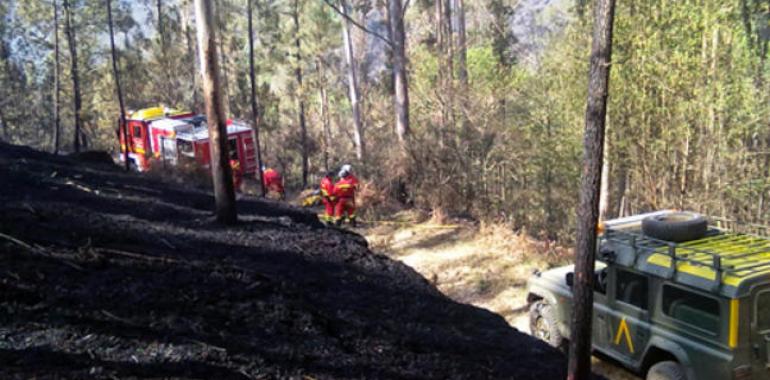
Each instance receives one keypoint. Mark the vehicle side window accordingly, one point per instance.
(631, 289)
(763, 311)
(137, 131)
(691, 308)
(185, 148)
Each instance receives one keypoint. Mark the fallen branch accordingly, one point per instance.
(116, 318)
(40, 251)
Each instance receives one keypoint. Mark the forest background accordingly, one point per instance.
(496, 96)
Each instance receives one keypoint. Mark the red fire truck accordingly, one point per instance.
(166, 136)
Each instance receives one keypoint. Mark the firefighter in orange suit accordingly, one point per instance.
(235, 165)
(327, 196)
(273, 181)
(345, 191)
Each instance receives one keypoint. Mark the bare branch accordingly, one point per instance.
(357, 25)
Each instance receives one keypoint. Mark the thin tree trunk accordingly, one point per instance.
(116, 76)
(462, 58)
(588, 210)
(71, 39)
(254, 106)
(161, 33)
(324, 98)
(191, 54)
(604, 194)
(221, 172)
(300, 95)
(358, 132)
(56, 80)
(401, 98)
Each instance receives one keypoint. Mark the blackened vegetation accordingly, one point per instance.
(106, 274)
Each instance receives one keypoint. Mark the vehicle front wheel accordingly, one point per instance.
(667, 370)
(543, 324)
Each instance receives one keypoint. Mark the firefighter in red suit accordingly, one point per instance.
(273, 182)
(235, 165)
(345, 191)
(327, 196)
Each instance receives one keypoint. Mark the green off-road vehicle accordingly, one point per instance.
(674, 298)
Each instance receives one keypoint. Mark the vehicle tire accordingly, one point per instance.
(543, 324)
(667, 370)
(675, 227)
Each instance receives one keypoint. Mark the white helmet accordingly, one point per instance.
(344, 170)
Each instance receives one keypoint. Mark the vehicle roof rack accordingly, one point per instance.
(721, 254)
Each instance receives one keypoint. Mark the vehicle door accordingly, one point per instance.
(249, 149)
(628, 315)
(760, 333)
(168, 150)
(138, 134)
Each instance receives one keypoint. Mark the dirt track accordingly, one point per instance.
(105, 274)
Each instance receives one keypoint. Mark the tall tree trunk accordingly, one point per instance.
(191, 54)
(254, 106)
(604, 194)
(462, 57)
(358, 132)
(324, 99)
(71, 41)
(300, 95)
(401, 98)
(116, 76)
(588, 210)
(221, 172)
(400, 95)
(161, 33)
(56, 80)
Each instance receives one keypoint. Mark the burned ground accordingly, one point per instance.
(106, 274)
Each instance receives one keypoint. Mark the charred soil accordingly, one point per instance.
(106, 274)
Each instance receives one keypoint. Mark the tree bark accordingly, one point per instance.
(254, 106)
(401, 98)
(77, 101)
(358, 132)
(56, 80)
(116, 75)
(588, 209)
(221, 173)
(300, 95)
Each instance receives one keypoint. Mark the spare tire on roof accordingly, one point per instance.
(676, 226)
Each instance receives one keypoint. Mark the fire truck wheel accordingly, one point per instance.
(675, 227)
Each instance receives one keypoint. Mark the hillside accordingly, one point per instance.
(106, 274)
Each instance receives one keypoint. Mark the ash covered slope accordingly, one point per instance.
(114, 275)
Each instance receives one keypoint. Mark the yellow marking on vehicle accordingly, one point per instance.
(623, 330)
(732, 340)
